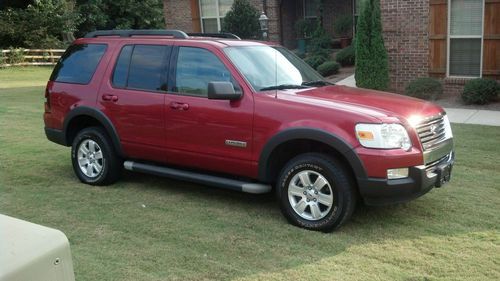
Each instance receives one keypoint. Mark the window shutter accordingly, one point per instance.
(438, 29)
(195, 16)
(491, 48)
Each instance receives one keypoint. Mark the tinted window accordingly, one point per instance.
(196, 68)
(146, 67)
(121, 68)
(141, 67)
(78, 63)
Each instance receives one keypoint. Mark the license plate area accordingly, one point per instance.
(443, 174)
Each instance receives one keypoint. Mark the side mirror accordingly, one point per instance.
(222, 91)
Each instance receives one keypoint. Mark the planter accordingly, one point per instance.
(345, 42)
(302, 45)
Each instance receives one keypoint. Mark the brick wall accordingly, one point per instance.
(178, 15)
(405, 27)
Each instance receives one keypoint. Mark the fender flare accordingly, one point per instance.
(100, 117)
(335, 142)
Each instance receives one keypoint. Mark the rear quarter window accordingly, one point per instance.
(78, 63)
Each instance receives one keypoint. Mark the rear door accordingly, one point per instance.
(134, 97)
(203, 133)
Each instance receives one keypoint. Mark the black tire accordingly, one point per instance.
(110, 164)
(339, 187)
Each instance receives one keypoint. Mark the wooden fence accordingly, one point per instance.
(22, 57)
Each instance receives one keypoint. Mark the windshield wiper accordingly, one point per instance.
(317, 83)
(284, 87)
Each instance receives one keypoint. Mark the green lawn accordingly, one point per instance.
(150, 228)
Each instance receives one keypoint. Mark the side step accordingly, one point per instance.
(248, 187)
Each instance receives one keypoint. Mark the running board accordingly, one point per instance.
(248, 187)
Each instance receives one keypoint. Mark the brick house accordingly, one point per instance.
(452, 40)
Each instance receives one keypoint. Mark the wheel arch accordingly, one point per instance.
(317, 139)
(82, 117)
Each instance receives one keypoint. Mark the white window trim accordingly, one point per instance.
(449, 37)
(216, 17)
(304, 10)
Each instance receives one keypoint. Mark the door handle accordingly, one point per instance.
(107, 97)
(179, 105)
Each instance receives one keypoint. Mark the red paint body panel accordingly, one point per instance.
(150, 129)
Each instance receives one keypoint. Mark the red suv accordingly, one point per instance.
(242, 115)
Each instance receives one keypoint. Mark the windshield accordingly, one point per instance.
(267, 68)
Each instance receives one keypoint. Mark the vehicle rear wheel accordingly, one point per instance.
(316, 192)
(94, 159)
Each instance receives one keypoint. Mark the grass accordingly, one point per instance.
(150, 228)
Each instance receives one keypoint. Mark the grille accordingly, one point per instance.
(431, 132)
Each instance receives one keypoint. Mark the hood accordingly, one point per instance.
(381, 105)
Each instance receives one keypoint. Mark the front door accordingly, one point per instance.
(203, 133)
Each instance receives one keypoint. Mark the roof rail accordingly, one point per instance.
(135, 32)
(216, 35)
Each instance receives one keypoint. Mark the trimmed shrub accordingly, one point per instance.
(480, 91)
(424, 88)
(242, 20)
(315, 61)
(347, 56)
(321, 41)
(328, 68)
(372, 69)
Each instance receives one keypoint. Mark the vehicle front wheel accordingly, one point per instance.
(316, 192)
(94, 159)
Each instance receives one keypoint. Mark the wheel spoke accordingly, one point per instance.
(319, 183)
(97, 167)
(83, 161)
(304, 179)
(84, 150)
(300, 206)
(98, 155)
(90, 170)
(315, 211)
(325, 199)
(296, 190)
(92, 146)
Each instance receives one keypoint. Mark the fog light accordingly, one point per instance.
(397, 173)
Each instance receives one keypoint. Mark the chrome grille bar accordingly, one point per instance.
(431, 132)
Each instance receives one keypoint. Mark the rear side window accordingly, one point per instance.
(141, 67)
(78, 63)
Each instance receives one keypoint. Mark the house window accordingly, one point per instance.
(212, 14)
(465, 43)
(311, 9)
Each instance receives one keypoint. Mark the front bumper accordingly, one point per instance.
(421, 179)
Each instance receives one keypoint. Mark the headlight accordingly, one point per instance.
(447, 128)
(386, 136)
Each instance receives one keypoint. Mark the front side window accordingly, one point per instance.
(265, 66)
(141, 67)
(197, 67)
(213, 13)
(78, 63)
(466, 31)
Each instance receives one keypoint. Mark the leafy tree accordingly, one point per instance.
(39, 25)
(242, 20)
(120, 14)
(372, 69)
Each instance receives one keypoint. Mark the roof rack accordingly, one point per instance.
(132, 32)
(216, 35)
